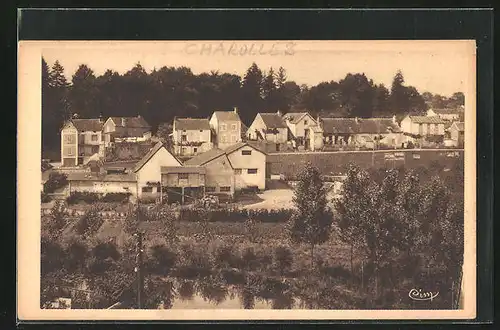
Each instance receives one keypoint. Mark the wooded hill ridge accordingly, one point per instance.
(165, 93)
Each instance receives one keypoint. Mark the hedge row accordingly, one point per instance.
(90, 198)
(235, 215)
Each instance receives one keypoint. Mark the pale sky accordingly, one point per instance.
(436, 66)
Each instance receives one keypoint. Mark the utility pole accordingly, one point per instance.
(138, 269)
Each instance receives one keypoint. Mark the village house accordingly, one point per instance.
(268, 127)
(80, 139)
(367, 133)
(126, 129)
(455, 134)
(226, 126)
(148, 171)
(102, 183)
(423, 130)
(191, 136)
(249, 165)
(299, 125)
(445, 114)
(219, 174)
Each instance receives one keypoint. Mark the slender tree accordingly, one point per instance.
(312, 219)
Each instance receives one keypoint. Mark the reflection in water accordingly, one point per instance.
(213, 292)
(186, 290)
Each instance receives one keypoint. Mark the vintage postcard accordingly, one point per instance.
(246, 180)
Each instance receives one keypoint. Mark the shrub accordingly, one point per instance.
(79, 196)
(104, 250)
(162, 259)
(44, 198)
(225, 257)
(55, 181)
(410, 145)
(283, 258)
(147, 200)
(116, 197)
(250, 259)
(89, 223)
(233, 276)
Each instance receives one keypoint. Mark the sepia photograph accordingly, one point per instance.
(251, 175)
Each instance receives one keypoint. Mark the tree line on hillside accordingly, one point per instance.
(167, 92)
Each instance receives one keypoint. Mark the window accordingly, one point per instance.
(225, 189)
(94, 137)
(184, 137)
(209, 189)
(252, 171)
(428, 128)
(223, 138)
(195, 150)
(420, 129)
(183, 151)
(233, 138)
(183, 176)
(237, 171)
(201, 131)
(222, 127)
(147, 189)
(69, 151)
(95, 149)
(305, 122)
(69, 138)
(233, 127)
(246, 152)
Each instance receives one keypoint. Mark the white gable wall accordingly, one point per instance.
(151, 171)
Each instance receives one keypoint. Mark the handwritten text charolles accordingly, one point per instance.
(240, 49)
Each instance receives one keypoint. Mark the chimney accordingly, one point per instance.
(356, 119)
(123, 121)
(235, 110)
(279, 113)
(394, 119)
(100, 118)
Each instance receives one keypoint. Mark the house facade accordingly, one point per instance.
(191, 136)
(423, 129)
(126, 129)
(183, 184)
(445, 114)
(456, 134)
(268, 127)
(81, 139)
(249, 166)
(148, 171)
(370, 133)
(299, 124)
(102, 183)
(219, 174)
(226, 126)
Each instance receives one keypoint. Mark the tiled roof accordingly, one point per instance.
(191, 124)
(273, 120)
(427, 119)
(362, 126)
(182, 169)
(459, 126)
(226, 115)
(125, 132)
(87, 125)
(236, 146)
(150, 154)
(294, 117)
(130, 122)
(204, 157)
(86, 176)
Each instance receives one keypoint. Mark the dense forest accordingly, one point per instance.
(167, 92)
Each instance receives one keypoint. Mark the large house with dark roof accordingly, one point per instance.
(361, 132)
(226, 127)
(268, 127)
(448, 114)
(191, 136)
(126, 129)
(81, 139)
